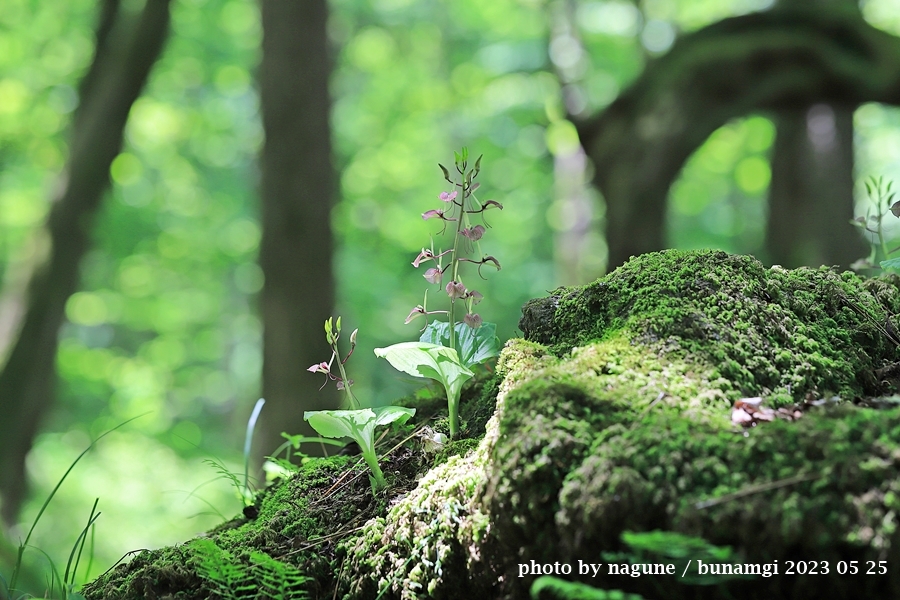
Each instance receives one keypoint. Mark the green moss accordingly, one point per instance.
(615, 414)
(455, 448)
(765, 330)
(292, 515)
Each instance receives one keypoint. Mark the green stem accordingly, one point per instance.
(455, 264)
(350, 397)
(454, 419)
(378, 476)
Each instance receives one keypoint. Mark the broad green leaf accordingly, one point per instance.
(360, 425)
(340, 423)
(423, 359)
(388, 414)
(891, 263)
(474, 346)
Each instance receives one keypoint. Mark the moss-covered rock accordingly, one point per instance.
(614, 414)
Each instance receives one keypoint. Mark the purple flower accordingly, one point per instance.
(414, 313)
(322, 367)
(472, 320)
(491, 259)
(424, 255)
(455, 289)
(473, 233)
(432, 214)
(447, 196)
(433, 275)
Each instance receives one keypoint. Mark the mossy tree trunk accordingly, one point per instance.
(784, 59)
(127, 47)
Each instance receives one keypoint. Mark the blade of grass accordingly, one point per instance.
(78, 548)
(248, 441)
(22, 545)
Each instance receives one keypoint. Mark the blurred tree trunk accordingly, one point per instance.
(811, 195)
(297, 195)
(784, 59)
(127, 47)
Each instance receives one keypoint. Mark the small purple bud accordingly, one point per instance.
(455, 289)
(472, 320)
(473, 233)
(340, 383)
(493, 203)
(433, 275)
(414, 313)
(447, 196)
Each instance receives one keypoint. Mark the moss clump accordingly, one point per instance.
(292, 514)
(614, 414)
(764, 330)
(630, 428)
(302, 522)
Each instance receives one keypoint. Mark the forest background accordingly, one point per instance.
(165, 322)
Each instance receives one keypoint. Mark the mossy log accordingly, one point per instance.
(615, 413)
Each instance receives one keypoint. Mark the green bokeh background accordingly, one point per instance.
(165, 322)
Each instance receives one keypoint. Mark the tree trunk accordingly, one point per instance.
(297, 194)
(811, 196)
(125, 53)
(782, 59)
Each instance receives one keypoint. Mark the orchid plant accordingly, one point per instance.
(881, 198)
(356, 423)
(447, 351)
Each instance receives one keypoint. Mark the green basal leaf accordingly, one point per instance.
(423, 359)
(474, 346)
(891, 263)
(385, 415)
(340, 423)
(360, 425)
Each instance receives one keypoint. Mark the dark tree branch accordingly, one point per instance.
(125, 55)
(780, 59)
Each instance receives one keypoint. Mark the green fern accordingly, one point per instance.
(554, 588)
(277, 579)
(263, 579)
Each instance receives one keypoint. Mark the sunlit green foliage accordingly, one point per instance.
(165, 320)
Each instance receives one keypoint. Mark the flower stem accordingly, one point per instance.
(351, 399)
(455, 258)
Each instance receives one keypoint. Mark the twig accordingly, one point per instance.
(756, 489)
